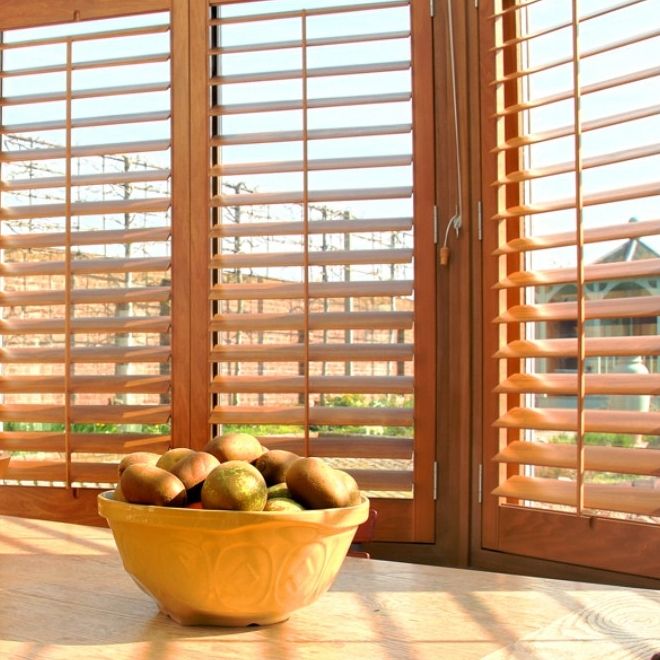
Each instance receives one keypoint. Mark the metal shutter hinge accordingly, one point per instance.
(480, 484)
(435, 480)
(480, 222)
(435, 225)
(432, 8)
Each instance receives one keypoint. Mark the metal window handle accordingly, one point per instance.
(456, 223)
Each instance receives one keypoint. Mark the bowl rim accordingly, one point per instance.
(117, 510)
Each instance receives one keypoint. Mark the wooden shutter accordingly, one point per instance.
(322, 282)
(572, 282)
(84, 233)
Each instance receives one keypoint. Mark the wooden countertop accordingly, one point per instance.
(64, 594)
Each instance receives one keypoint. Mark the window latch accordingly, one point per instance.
(455, 223)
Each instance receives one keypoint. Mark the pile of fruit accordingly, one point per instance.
(234, 472)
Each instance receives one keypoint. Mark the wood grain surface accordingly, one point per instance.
(4, 463)
(64, 594)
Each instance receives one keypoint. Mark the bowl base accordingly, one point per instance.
(222, 621)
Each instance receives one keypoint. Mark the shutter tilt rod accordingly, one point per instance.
(456, 220)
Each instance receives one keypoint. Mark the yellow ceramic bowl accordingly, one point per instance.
(231, 568)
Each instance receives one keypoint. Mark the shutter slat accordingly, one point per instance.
(86, 296)
(612, 308)
(87, 122)
(527, 36)
(119, 443)
(297, 104)
(316, 321)
(26, 470)
(610, 383)
(98, 92)
(154, 324)
(87, 36)
(383, 480)
(341, 446)
(596, 496)
(317, 352)
(592, 273)
(121, 414)
(594, 346)
(596, 421)
(155, 205)
(96, 443)
(84, 472)
(610, 83)
(103, 179)
(320, 384)
(151, 58)
(58, 153)
(325, 258)
(317, 415)
(78, 384)
(604, 197)
(520, 4)
(79, 238)
(591, 125)
(86, 355)
(310, 43)
(91, 64)
(313, 134)
(86, 266)
(611, 158)
(315, 227)
(320, 164)
(319, 72)
(591, 235)
(298, 197)
(620, 460)
(276, 290)
(311, 11)
(599, 50)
